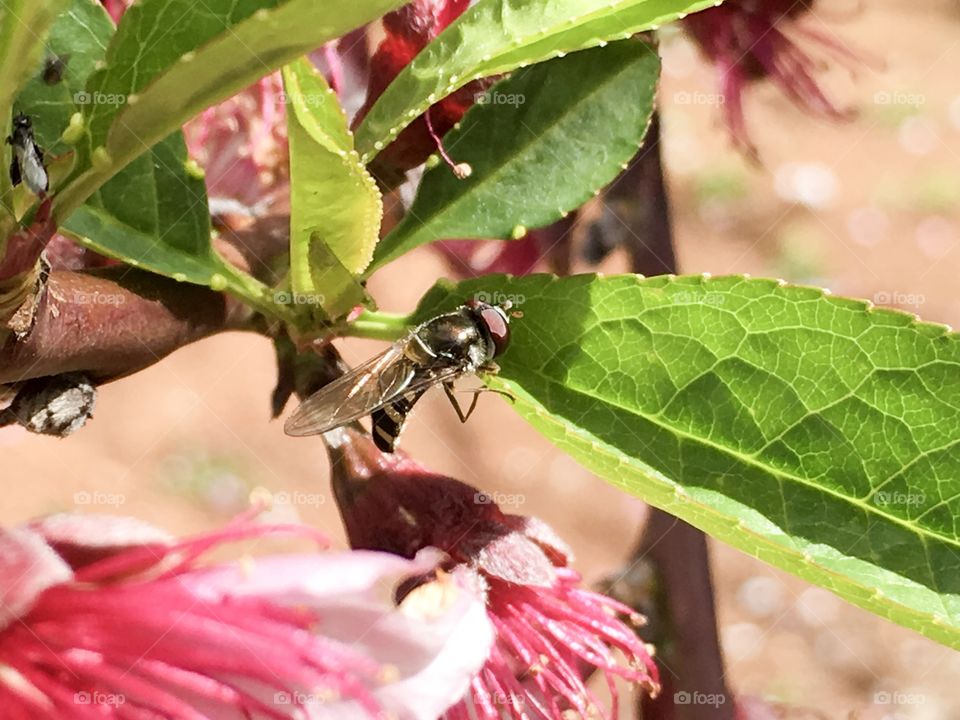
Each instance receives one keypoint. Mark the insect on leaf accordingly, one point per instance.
(23, 27)
(816, 433)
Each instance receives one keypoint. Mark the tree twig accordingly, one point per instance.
(113, 321)
(674, 552)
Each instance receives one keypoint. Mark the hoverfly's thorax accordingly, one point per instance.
(450, 337)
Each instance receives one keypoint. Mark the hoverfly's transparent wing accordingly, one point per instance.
(369, 387)
(34, 174)
(350, 397)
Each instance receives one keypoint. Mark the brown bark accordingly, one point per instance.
(113, 322)
(108, 322)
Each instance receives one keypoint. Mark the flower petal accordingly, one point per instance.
(82, 539)
(429, 647)
(28, 566)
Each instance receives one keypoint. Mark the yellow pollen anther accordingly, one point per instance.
(261, 497)
(388, 674)
(431, 599)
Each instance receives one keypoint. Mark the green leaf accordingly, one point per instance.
(497, 36)
(97, 229)
(335, 288)
(106, 233)
(154, 215)
(335, 206)
(549, 137)
(170, 59)
(816, 433)
(162, 195)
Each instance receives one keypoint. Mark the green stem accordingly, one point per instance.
(376, 326)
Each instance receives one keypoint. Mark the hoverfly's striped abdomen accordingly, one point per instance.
(388, 421)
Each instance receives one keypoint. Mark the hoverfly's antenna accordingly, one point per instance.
(507, 306)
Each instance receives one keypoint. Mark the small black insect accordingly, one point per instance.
(387, 387)
(54, 68)
(27, 163)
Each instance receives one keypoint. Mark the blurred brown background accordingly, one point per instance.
(870, 209)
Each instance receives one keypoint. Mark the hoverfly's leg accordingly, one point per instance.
(464, 416)
(448, 389)
(502, 393)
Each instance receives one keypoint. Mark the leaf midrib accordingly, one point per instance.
(870, 510)
(896, 609)
(535, 139)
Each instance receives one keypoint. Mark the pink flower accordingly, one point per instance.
(749, 40)
(116, 8)
(472, 258)
(242, 145)
(110, 618)
(551, 633)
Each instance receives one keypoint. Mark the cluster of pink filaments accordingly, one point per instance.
(546, 638)
(140, 633)
(748, 40)
(552, 634)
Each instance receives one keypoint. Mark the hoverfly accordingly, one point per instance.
(27, 164)
(388, 386)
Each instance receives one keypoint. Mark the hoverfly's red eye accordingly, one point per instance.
(498, 326)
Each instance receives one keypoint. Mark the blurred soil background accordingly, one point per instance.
(868, 208)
